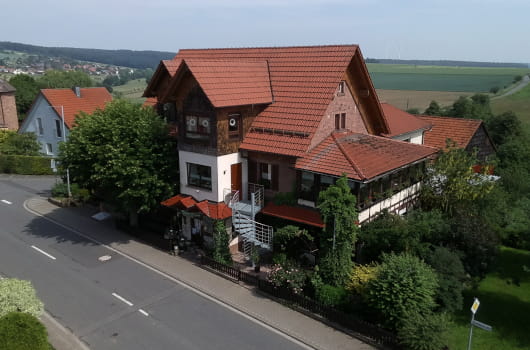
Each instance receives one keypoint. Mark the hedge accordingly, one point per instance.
(25, 165)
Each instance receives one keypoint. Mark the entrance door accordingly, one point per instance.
(236, 172)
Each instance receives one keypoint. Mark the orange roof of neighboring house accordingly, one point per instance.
(401, 122)
(90, 100)
(216, 211)
(298, 214)
(302, 81)
(360, 156)
(459, 130)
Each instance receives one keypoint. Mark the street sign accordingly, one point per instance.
(475, 306)
(484, 326)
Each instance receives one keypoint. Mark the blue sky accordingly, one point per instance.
(480, 30)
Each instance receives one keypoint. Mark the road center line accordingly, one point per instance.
(143, 312)
(123, 299)
(6, 202)
(43, 252)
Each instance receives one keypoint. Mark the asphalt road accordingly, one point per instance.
(112, 303)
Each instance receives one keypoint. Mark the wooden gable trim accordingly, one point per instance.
(365, 96)
(160, 73)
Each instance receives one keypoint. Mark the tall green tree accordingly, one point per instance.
(221, 251)
(452, 182)
(54, 79)
(27, 90)
(20, 144)
(337, 241)
(124, 154)
(433, 109)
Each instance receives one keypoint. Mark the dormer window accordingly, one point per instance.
(342, 88)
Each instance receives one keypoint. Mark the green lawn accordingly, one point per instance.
(518, 103)
(440, 78)
(505, 305)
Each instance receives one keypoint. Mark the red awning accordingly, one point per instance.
(297, 214)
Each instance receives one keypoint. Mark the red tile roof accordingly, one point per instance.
(298, 214)
(90, 100)
(216, 211)
(232, 83)
(302, 80)
(459, 130)
(360, 156)
(401, 122)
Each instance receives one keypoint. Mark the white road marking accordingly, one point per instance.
(123, 299)
(246, 314)
(143, 312)
(43, 252)
(6, 202)
(104, 258)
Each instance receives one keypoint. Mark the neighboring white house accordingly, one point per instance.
(45, 118)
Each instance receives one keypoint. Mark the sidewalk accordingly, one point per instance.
(303, 328)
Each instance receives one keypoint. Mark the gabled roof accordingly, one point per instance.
(401, 122)
(90, 100)
(360, 156)
(232, 83)
(459, 130)
(302, 82)
(6, 87)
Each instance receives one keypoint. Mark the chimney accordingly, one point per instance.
(77, 91)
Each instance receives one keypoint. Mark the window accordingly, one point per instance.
(198, 127)
(341, 88)
(234, 125)
(268, 176)
(340, 121)
(307, 186)
(200, 176)
(49, 149)
(58, 128)
(39, 126)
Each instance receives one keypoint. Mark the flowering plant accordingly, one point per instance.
(289, 276)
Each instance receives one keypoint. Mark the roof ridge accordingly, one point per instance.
(350, 160)
(270, 47)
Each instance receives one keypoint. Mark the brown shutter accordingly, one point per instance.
(275, 177)
(252, 171)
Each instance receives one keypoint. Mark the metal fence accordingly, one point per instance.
(369, 332)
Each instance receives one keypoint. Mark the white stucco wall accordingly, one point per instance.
(220, 170)
(41, 109)
(415, 137)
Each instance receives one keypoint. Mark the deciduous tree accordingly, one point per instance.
(123, 153)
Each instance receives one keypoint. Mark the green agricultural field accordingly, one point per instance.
(132, 91)
(504, 304)
(519, 103)
(439, 78)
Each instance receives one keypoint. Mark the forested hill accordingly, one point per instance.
(127, 58)
(448, 63)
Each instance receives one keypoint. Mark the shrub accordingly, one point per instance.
(25, 165)
(330, 295)
(22, 331)
(403, 284)
(423, 331)
(451, 277)
(61, 190)
(221, 240)
(289, 276)
(18, 295)
(360, 276)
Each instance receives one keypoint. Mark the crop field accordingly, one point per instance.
(519, 103)
(440, 78)
(405, 99)
(133, 90)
